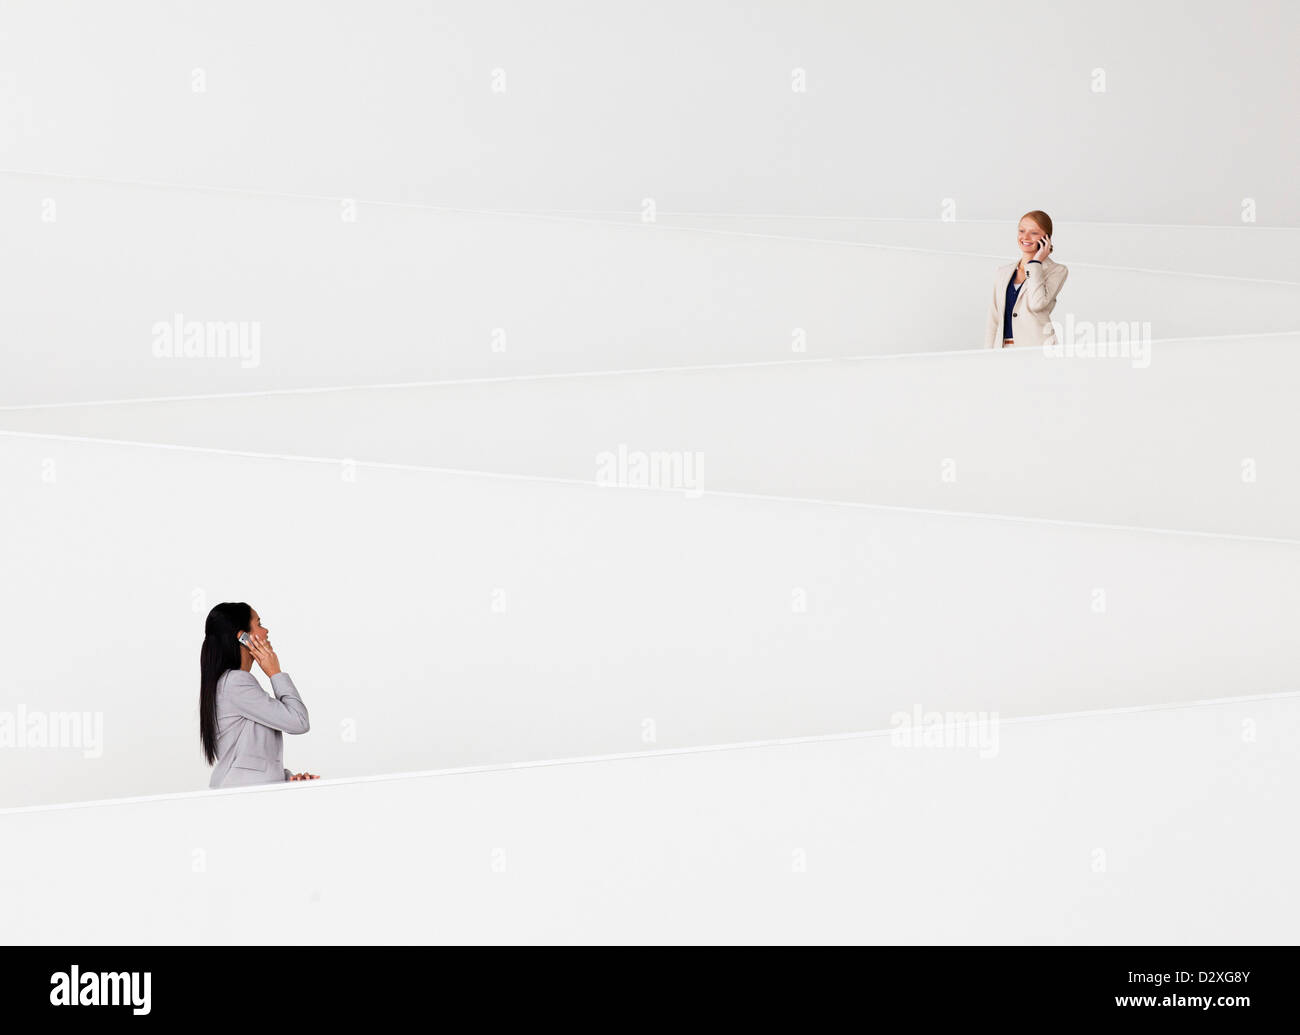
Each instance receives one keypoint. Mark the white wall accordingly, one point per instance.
(1192, 436)
(1097, 830)
(405, 295)
(688, 102)
(436, 620)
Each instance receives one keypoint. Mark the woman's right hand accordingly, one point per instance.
(265, 656)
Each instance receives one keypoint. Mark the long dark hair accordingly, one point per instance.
(220, 652)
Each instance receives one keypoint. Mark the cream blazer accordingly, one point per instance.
(1031, 318)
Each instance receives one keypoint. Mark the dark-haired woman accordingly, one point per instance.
(241, 726)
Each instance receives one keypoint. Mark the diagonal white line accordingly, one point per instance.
(560, 375)
(627, 224)
(627, 213)
(380, 465)
(748, 745)
(450, 382)
(631, 213)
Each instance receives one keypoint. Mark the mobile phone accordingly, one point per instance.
(246, 640)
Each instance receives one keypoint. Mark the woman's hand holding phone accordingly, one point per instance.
(1044, 248)
(265, 656)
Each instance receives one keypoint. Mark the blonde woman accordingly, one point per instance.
(1024, 292)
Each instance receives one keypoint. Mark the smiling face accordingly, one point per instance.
(1028, 234)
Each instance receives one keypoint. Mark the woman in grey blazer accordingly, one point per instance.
(241, 726)
(1024, 292)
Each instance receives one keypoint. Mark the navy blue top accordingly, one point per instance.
(1013, 292)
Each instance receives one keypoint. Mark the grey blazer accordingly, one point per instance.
(250, 728)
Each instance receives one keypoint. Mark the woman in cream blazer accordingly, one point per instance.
(1029, 287)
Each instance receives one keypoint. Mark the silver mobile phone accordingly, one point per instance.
(246, 640)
